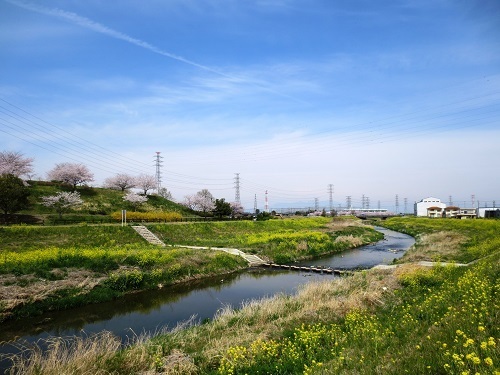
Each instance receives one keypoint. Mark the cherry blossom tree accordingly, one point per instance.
(145, 182)
(189, 202)
(15, 163)
(72, 174)
(135, 199)
(202, 201)
(236, 208)
(121, 181)
(62, 201)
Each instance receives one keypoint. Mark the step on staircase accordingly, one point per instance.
(253, 260)
(147, 235)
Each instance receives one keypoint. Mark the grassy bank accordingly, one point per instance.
(55, 268)
(440, 320)
(279, 240)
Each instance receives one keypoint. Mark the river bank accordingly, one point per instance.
(49, 269)
(437, 320)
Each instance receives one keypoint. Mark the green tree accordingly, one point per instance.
(222, 208)
(13, 194)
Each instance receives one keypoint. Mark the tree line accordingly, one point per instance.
(15, 192)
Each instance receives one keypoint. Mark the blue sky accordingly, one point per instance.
(377, 98)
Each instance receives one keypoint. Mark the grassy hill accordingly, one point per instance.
(99, 203)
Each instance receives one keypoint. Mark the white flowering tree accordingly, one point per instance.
(135, 199)
(145, 183)
(202, 201)
(120, 181)
(15, 163)
(236, 208)
(63, 201)
(71, 174)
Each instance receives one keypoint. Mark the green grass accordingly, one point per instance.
(282, 241)
(23, 238)
(97, 201)
(415, 320)
(95, 263)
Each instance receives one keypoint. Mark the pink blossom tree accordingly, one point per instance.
(236, 208)
(135, 199)
(72, 174)
(62, 201)
(202, 201)
(145, 183)
(121, 181)
(15, 163)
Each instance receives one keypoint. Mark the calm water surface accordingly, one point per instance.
(151, 311)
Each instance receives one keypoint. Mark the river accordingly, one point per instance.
(151, 311)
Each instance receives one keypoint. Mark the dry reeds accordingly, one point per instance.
(435, 246)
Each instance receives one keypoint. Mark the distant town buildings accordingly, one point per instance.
(434, 208)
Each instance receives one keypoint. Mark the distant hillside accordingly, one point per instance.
(98, 202)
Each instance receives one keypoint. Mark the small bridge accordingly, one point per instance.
(322, 270)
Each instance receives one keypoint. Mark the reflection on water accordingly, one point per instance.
(150, 311)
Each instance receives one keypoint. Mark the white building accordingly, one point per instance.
(420, 208)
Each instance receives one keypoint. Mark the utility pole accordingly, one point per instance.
(237, 187)
(158, 163)
(266, 207)
(330, 194)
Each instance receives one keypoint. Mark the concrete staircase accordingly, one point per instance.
(253, 260)
(147, 235)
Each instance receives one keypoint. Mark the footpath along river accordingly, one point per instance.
(150, 311)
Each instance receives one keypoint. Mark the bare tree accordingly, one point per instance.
(145, 182)
(121, 181)
(72, 174)
(135, 199)
(164, 193)
(14, 163)
(63, 201)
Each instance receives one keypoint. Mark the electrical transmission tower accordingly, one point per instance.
(316, 204)
(266, 207)
(363, 201)
(348, 202)
(237, 187)
(255, 204)
(405, 200)
(450, 201)
(158, 163)
(473, 200)
(330, 194)
(397, 204)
